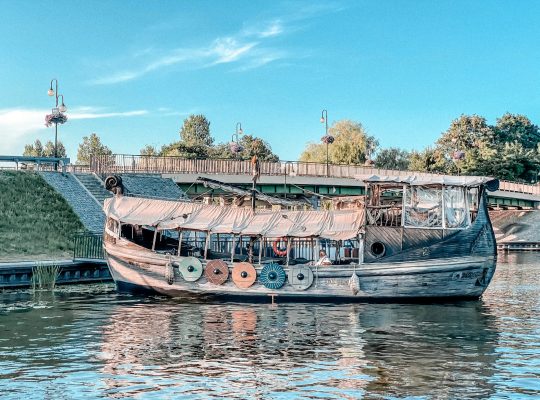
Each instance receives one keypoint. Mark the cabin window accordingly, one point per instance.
(385, 205)
(456, 213)
(423, 207)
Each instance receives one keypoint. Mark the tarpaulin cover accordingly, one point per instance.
(420, 180)
(336, 225)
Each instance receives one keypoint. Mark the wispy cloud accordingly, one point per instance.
(94, 115)
(18, 125)
(249, 46)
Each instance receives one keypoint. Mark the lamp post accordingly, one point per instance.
(236, 148)
(328, 139)
(57, 110)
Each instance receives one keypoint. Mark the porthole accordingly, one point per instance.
(378, 249)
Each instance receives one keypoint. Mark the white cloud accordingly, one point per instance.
(16, 125)
(19, 125)
(93, 115)
(246, 46)
(275, 28)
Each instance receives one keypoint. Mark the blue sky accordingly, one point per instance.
(131, 71)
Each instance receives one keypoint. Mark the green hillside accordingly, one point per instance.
(35, 221)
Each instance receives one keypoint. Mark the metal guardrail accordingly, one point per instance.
(88, 246)
(125, 163)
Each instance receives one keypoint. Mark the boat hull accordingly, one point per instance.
(429, 280)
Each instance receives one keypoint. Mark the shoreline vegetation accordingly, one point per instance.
(36, 223)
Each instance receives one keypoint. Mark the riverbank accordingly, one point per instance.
(35, 221)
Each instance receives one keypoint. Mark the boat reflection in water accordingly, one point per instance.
(239, 351)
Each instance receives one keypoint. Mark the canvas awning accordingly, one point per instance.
(425, 180)
(162, 214)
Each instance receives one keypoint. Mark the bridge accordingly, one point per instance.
(283, 178)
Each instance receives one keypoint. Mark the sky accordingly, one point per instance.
(131, 71)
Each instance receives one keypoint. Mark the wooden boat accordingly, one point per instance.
(414, 238)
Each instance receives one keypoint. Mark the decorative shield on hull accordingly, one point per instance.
(273, 276)
(300, 277)
(244, 275)
(190, 268)
(217, 272)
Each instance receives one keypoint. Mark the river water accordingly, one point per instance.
(90, 342)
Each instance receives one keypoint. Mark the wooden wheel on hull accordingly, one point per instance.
(216, 272)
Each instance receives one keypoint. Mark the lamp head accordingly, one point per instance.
(240, 131)
(50, 92)
(323, 120)
(62, 108)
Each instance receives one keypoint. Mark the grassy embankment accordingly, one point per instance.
(36, 223)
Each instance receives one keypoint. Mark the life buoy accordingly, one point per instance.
(277, 251)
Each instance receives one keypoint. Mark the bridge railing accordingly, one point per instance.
(125, 163)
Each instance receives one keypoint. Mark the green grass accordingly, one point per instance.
(35, 221)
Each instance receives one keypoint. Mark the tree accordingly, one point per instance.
(392, 158)
(428, 160)
(196, 131)
(517, 128)
(148, 150)
(91, 146)
(352, 145)
(48, 150)
(251, 146)
(181, 149)
(37, 149)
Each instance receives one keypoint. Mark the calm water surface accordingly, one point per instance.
(89, 342)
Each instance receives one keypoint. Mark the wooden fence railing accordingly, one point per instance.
(124, 163)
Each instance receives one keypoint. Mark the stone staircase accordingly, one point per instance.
(151, 186)
(94, 185)
(83, 203)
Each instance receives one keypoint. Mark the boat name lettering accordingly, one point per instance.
(333, 282)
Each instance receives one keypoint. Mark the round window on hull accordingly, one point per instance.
(378, 249)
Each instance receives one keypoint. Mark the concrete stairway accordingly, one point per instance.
(85, 206)
(151, 186)
(94, 186)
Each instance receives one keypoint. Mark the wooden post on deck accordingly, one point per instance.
(206, 245)
(180, 234)
(155, 237)
(289, 240)
(232, 248)
(261, 243)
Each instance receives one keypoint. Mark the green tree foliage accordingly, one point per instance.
(392, 158)
(38, 150)
(148, 150)
(428, 160)
(251, 146)
(91, 145)
(515, 128)
(470, 146)
(352, 145)
(196, 131)
(181, 149)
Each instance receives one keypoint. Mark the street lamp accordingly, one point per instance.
(235, 145)
(328, 139)
(54, 92)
